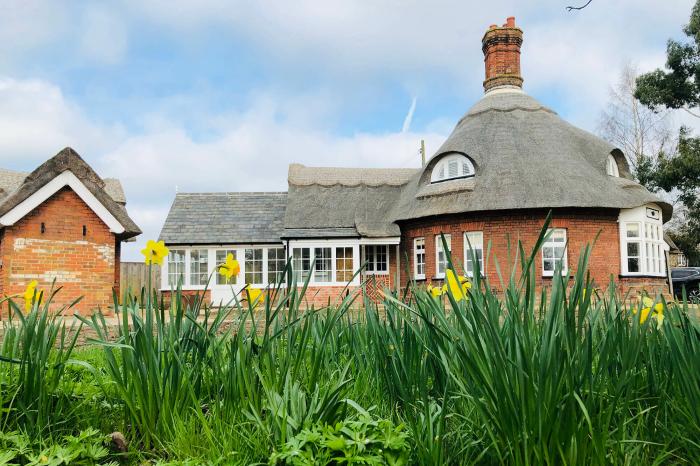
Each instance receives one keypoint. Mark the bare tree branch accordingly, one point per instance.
(690, 112)
(571, 8)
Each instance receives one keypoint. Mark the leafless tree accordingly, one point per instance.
(639, 132)
(572, 8)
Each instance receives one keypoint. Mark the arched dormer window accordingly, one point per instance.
(451, 167)
(611, 167)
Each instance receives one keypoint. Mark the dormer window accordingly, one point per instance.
(611, 167)
(452, 167)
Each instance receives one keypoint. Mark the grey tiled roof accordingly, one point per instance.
(225, 218)
(15, 187)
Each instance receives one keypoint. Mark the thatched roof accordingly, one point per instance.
(525, 157)
(15, 187)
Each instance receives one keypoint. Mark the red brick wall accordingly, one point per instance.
(582, 226)
(501, 47)
(84, 266)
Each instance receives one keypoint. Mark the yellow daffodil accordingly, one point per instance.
(230, 268)
(154, 252)
(466, 284)
(253, 294)
(436, 292)
(455, 286)
(656, 313)
(29, 295)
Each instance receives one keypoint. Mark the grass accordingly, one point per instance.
(569, 376)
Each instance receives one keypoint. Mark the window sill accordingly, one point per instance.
(376, 273)
(641, 275)
(419, 279)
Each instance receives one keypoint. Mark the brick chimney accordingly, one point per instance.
(501, 47)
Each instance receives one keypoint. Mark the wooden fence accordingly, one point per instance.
(134, 276)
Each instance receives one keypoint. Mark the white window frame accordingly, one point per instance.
(213, 266)
(166, 272)
(652, 247)
(438, 251)
(336, 271)
(611, 167)
(218, 262)
(476, 240)
(464, 167)
(333, 244)
(204, 253)
(416, 254)
(549, 243)
(319, 255)
(373, 262)
(278, 261)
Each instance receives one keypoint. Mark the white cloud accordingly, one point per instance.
(251, 153)
(104, 35)
(37, 120)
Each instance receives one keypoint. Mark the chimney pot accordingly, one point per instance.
(501, 47)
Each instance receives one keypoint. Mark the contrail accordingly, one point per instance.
(409, 117)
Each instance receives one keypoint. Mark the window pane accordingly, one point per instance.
(276, 262)
(221, 259)
(441, 257)
(554, 251)
(473, 246)
(633, 265)
(633, 230)
(301, 263)
(419, 256)
(633, 249)
(199, 259)
(176, 267)
(322, 268)
(254, 266)
(343, 265)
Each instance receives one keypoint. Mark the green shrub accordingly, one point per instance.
(366, 440)
(85, 449)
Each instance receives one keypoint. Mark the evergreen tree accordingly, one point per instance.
(678, 87)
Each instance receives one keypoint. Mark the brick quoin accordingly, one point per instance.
(86, 266)
(500, 228)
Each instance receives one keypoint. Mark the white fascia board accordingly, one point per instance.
(67, 178)
(388, 240)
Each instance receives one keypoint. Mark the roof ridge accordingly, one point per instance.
(228, 193)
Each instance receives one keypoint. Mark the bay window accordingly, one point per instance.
(474, 250)
(554, 252)
(440, 256)
(419, 258)
(642, 245)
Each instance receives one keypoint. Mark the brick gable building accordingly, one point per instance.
(508, 163)
(63, 222)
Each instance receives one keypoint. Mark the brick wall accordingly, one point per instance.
(82, 265)
(501, 47)
(582, 226)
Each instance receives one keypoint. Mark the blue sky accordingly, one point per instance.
(223, 95)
